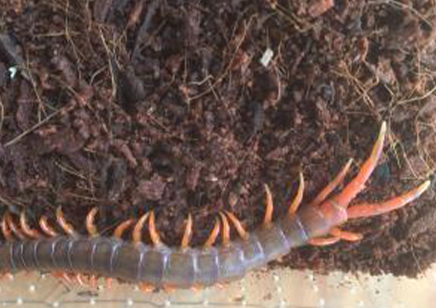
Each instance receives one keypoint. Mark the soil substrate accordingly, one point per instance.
(175, 106)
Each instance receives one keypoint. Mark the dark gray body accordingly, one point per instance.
(161, 265)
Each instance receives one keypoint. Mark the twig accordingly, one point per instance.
(34, 127)
(5, 202)
(400, 5)
(418, 98)
(230, 64)
(362, 89)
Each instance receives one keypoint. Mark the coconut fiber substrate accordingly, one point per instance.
(191, 106)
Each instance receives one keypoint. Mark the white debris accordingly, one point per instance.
(266, 57)
(12, 71)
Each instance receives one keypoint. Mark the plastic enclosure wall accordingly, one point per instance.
(278, 288)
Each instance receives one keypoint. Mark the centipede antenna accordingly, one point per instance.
(122, 227)
(137, 230)
(32, 233)
(213, 234)
(226, 230)
(90, 224)
(238, 225)
(154, 236)
(6, 230)
(46, 228)
(332, 185)
(293, 208)
(269, 206)
(188, 233)
(68, 228)
(15, 230)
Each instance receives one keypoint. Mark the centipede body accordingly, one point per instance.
(161, 266)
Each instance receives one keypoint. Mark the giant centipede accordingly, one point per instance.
(157, 265)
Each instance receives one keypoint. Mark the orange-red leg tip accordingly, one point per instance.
(90, 222)
(293, 208)
(137, 230)
(154, 236)
(346, 235)
(269, 205)
(68, 228)
(213, 234)
(226, 230)
(238, 225)
(188, 232)
(324, 241)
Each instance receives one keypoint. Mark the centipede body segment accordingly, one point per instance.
(156, 265)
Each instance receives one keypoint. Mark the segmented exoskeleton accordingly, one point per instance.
(160, 266)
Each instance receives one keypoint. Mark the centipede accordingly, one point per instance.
(155, 265)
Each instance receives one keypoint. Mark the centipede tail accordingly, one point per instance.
(157, 265)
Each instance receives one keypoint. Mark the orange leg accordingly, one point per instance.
(187, 235)
(6, 276)
(62, 276)
(80, 280)
(269, 206)
(146, 287)
(32, 233)
(332, 185)
(122, 227)
(50, 232)
(168, 288)
(108, 283)
(346, 235)
(13, 227)
(226, 230)
(336, 235)
(93, 282)
(68, 228)
(137, 230)
(154, 236)
(324, 241)
(92, 231)
(357, 184)
(46, 228)
(373, 209)
(238, 225)
(6, 230)
(213, 234)
(90, 224)
(293, 208)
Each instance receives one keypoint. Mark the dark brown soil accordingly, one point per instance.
(134, 105)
